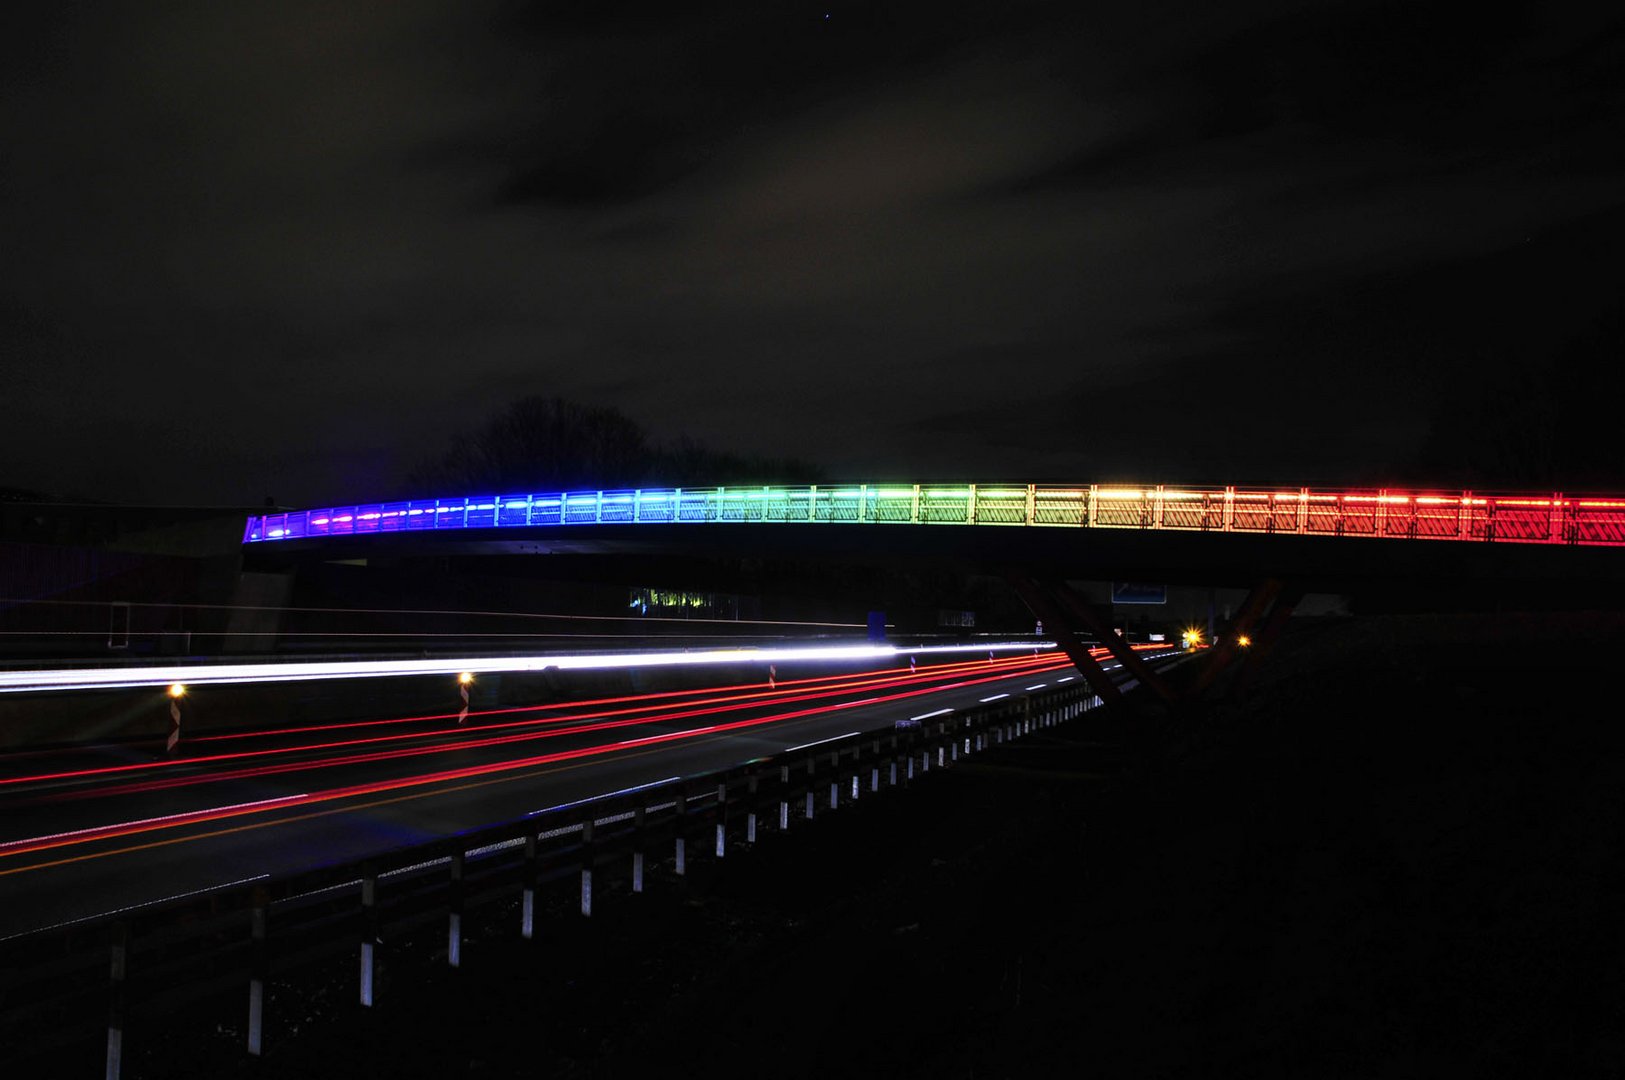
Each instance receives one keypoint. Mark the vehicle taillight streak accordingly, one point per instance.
(124, 829)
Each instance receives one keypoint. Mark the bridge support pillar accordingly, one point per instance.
(1047, 608)
(1081, 611)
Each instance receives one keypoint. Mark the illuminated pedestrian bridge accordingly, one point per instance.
(1548, 518)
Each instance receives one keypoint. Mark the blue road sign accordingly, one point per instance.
(1138, 592)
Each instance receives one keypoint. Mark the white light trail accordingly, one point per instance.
(111, 678)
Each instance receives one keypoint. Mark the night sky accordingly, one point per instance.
(292, 248)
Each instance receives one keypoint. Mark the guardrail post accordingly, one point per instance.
(257, 969)
(811, 765)
(527, 904)
(678, 820)
(118, 971)
(722, 819)
(454, 923)
(784, 798)
(834, 779)
(587, 859)
(638, 818)
(750, 817)
(369, 929)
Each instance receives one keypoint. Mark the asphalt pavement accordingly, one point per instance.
(93, 830)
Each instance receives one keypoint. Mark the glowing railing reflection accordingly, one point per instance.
(1386, 513)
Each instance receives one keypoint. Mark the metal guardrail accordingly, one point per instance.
(143, 961)
(1462, 515)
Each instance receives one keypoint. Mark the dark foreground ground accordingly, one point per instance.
(1401, 858)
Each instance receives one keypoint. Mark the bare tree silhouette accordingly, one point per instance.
(541, 444)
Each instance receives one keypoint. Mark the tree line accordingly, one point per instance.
(548, 443)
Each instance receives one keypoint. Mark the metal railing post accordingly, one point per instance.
(527, 903)
(751, 799)
(588, 858)
(119, 967)
(369, 930)
(454, 922)
(722, 819)
(258, 965)
(639, 818)
(679, 820)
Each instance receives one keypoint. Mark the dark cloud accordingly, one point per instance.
(293, 249)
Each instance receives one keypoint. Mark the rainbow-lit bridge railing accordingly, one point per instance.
(1462, 516)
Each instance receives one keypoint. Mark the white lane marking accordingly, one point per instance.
(820, 742)
(605, 795)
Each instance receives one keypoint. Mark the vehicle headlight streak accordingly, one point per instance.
(555, 727)
(194, 675)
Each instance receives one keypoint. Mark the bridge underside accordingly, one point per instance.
(1277, 570)
(1513, 576)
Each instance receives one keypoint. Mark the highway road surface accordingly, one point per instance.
(93, 830)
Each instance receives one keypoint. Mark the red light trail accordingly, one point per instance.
(130, 828)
